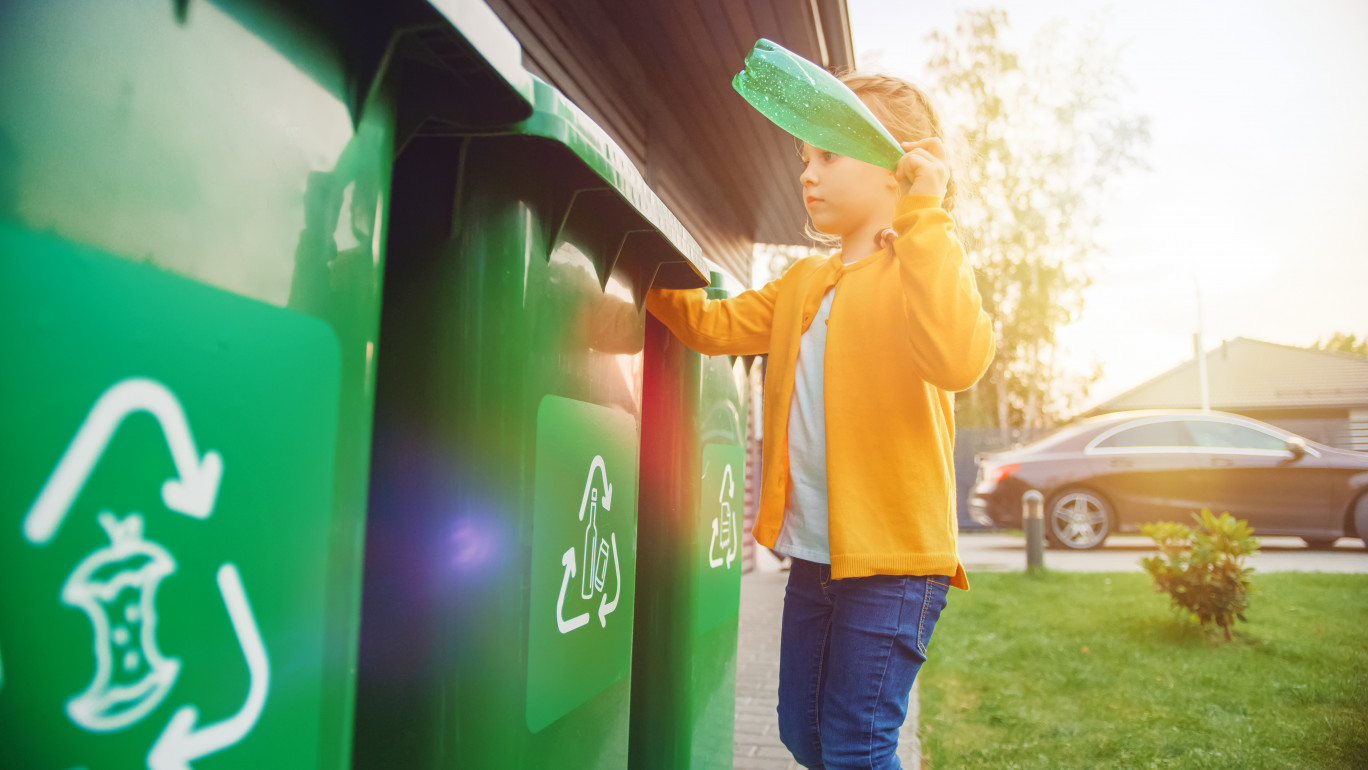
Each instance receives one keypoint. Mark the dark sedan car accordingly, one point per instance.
(1116, 472)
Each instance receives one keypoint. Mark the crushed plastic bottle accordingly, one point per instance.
(810, 103)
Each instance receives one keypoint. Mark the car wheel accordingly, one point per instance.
(1361, 518)
(1320, 543)
(1078, 520)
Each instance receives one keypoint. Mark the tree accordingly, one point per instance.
(1343, 342)
(778, 258)
(1046, 137)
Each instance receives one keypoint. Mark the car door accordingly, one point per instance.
(1251, 473)
(1145, 469)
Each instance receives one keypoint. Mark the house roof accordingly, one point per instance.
(1245, 374)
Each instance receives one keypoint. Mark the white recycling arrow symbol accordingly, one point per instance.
(180, 742)
(599, 547)
(192, 491)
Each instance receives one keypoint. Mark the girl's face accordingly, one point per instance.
(844, 196)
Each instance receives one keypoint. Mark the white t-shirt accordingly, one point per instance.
(804, 532)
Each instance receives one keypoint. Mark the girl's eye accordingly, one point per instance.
(827, 156)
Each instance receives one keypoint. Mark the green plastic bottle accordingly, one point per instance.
(810, 103)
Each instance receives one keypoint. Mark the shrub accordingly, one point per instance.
(1202, 568)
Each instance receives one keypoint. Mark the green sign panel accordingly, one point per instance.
(720, 513)
(583, 556)
(168, 460)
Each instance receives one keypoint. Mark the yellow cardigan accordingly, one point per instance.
(906, 330)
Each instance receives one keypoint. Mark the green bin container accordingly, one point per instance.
(501, 543)
(193, 203)
(693, 473)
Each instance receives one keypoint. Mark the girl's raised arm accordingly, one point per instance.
(736, 326)
(951, 336)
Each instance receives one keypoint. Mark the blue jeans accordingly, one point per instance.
(849, 653)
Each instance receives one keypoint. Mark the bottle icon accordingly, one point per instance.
(589, 575)
(116, 587)
(727, 522)
(725, 535)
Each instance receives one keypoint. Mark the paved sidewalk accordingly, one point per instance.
(757, 745)
(994, 552)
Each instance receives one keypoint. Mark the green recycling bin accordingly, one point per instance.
(693, 473)
(192, 212)
(501, 539)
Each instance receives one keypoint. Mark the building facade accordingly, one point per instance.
(1315, 393)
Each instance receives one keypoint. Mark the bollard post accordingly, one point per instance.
(1033, 521)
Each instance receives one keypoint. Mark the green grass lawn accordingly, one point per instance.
(1076, 670)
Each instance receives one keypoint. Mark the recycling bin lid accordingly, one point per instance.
(483, 49)
(465, 71)
(679, 263)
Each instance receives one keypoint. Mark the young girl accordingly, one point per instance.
(866, 349)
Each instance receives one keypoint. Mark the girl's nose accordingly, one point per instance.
(807, 178)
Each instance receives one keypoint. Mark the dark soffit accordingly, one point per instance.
(657, 76)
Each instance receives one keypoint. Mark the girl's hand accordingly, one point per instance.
(924, 169)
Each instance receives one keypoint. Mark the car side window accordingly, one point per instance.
(1225, 435)
(1170, 433)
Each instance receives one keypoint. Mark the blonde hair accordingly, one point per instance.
(906, 111)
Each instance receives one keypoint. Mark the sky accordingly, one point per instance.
(1257, 189)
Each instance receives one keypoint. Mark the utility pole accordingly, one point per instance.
(1199, 349)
